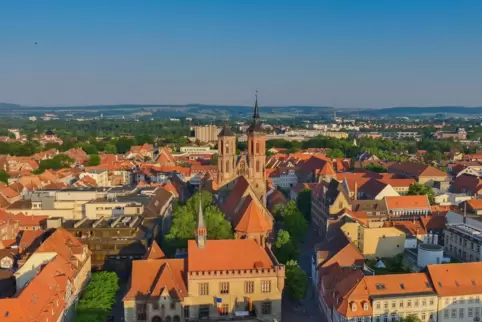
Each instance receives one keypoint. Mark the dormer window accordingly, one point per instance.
(353, 307)
(365, 306)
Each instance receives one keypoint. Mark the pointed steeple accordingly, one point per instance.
(256, 108)
(201, 232)
(256, 124)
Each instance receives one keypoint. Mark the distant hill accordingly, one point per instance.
(404, 111)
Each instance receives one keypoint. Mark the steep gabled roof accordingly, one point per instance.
(251, 218)
(155, 252)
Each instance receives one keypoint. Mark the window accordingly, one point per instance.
(257, 166)
(424, 303)
(394, 305)
(353, 307)
(224, 309)
(378, 305)
(430, 302)
(446, 314)
(173, 305)
(265, 286)
(204, 311)
(365, 306)
(249, 287)
(401, 304)
(385, 305)
(257, 147)
(224, 287)
(461, 313)
(423, 316)
(141, 312)
(462, 300)
(470, 312)
(409, 303)
(186, 312)
(203, 289)
(155, 305)
(446, 300)
(416, 303)
(227, 165)
(266, 307)
(477, 311)
(454, 313)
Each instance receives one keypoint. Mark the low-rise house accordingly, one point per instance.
(406, 206)
(284, 178)
(424, 174)
(468, 184)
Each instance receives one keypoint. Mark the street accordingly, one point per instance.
(307, 310)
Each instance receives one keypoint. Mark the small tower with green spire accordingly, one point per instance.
(201, 231)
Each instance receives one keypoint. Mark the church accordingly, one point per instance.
(250, 165)
(241, 182)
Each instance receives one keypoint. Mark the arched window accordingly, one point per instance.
(227, 165)
(177, 318)
(156, 319)
(227, 148)
(257, 147)
(252, 147)
(168, 319)
(257, 166)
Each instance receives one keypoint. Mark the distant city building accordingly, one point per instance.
(206, 133)
(459, 134)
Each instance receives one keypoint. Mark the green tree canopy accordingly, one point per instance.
(89, 148)
(110, 148)
(296, 281)
(294, 221)
(217, 226)
(283, 249)
(59, 161)
(410, 318)
(98, 297)
(3, 176)
(335, 153)
(93, 160)
(303, 203)
(418, 189)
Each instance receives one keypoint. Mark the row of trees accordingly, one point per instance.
(98, 297)
(286, 245)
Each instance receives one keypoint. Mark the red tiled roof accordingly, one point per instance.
(155, 277)
(224, 255)
(407, 202)
(251, 218)
(155, 252)
(456, 279)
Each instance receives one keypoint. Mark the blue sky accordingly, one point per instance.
(346, 54)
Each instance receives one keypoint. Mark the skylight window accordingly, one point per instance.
(457, 283)
(440, 284)
(380, 286)
(402, 286)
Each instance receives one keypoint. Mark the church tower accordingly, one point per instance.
(257, 155)
(226, 155)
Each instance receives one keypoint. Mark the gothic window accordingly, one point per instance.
(227, 165)
(257, 147)
(257, 166)
(242, 168)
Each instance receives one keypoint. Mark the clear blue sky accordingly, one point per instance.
(335, 53)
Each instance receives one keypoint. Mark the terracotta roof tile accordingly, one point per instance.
(407, 202)
(235, 254)
(456, 279)
(155, 252)
(251, 218)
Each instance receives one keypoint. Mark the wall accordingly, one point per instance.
(400, 305)
(29, 270)
(381, 242)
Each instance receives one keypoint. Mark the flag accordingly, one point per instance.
(219, 301)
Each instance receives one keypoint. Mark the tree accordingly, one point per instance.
(375, 168)
(284, 250)
(4, 176)
(303, 202)
(418, 189)
(296, 281)
(217, 226)
(293, 221)
(59, 161)
(296, 225)
(89, 148)
(410, 318)
(93, 160)
(335, 153)
(193, 202)
(182, 229)
(110, 148)
(98, 297)
(214, 159)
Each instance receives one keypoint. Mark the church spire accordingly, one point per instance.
(201, 232)
(256, 108)
(256, 125)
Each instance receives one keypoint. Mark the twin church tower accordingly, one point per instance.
(250, 165)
